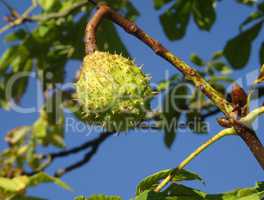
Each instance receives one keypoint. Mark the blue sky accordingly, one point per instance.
(122, 161)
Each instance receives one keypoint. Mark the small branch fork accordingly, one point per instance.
(90, 147)
(93, 145)
(25, 17)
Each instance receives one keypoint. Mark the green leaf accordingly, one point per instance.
(150, 182)
(20, 197)
(99, 197)
(44, 178)
(204, 14)
(247, 2)
(237, 50)
(163, 85)
(15, 184)
(261, 54)
(7, 58)
(196, 124)
(251, 18)
(221, 67)
(19, 34)
(109, 40)
(49, 128)
(17, 135)
(80, 198)
(217, 55)
(151, 195)
(20, 183)
(197, 60)
(132, 13)
(160, 3)
(174, 104)
(175, 20)
(260, 78)
(48, 5)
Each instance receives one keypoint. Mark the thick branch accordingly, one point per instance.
(252, 141)
(82, 147)
(90, 31)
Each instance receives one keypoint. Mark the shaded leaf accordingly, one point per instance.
(261, 54)
(48, 5)
(19, 34)
(109, 40)
(260, 78)
(160, 3)
(99, 197)
(221, 67)
(237, 50)
(197, 60)
(17, 134)
(247, 2)
(181, 192)
(174, 104)
(175, 20)
(163, 85)
(217, 55)
(204, 14)
(49, 128)
(251, 18)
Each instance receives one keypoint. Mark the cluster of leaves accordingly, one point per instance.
(45, 48)
(177, 191)
(14, 189)
(176, 19)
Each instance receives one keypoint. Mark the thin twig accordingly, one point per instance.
(215, 138)
(82, 147)
(93, 145)
(43, 17)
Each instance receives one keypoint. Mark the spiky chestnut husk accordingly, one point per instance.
(112, 91)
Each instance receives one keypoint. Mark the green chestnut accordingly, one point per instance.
(113, 91)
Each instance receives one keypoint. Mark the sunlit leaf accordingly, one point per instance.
(150, 182)
(44, 178)
(175, 20)
(181, 192)
(159, 3)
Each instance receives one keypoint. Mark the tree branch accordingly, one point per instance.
(82, 147)
(93, 145)
(189, 73)
(43, 17)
